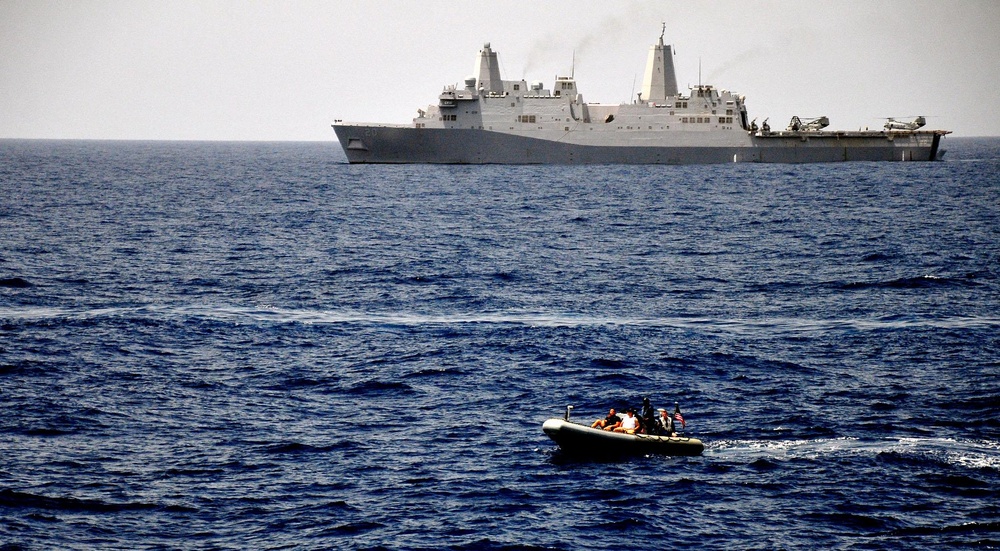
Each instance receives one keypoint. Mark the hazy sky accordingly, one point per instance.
(284, 70)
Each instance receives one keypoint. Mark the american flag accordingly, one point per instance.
(678, 416)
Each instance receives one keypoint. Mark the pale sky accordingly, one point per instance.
(284, 70)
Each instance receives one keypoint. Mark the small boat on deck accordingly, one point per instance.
(577, 439)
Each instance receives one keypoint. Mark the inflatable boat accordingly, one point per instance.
(577, 439)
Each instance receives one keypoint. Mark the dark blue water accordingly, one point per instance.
(240, 345)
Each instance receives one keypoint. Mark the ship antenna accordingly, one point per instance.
(663, 32)
(572, 67)
(699, 72)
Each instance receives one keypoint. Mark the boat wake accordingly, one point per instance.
(970, 454)
(267, 314)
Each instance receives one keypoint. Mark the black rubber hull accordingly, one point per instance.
(580, 440)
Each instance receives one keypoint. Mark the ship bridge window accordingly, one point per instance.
(517, 87)
(526, 118)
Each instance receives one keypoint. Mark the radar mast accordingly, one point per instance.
(659, 82)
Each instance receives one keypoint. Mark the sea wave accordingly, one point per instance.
(239, 314)
(17, 499)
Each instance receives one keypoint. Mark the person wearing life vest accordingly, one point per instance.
(665, 424)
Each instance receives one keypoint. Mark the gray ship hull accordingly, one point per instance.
(406, 144)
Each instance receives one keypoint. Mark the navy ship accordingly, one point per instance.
(486, 119)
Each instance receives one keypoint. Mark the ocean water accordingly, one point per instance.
(258, 346)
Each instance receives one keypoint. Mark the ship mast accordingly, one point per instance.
(660, 81)
(488, 69)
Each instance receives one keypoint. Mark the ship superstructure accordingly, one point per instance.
(486, 119)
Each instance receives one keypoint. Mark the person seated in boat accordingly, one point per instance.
(629, 424)
(665, 424)
(609, 422)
